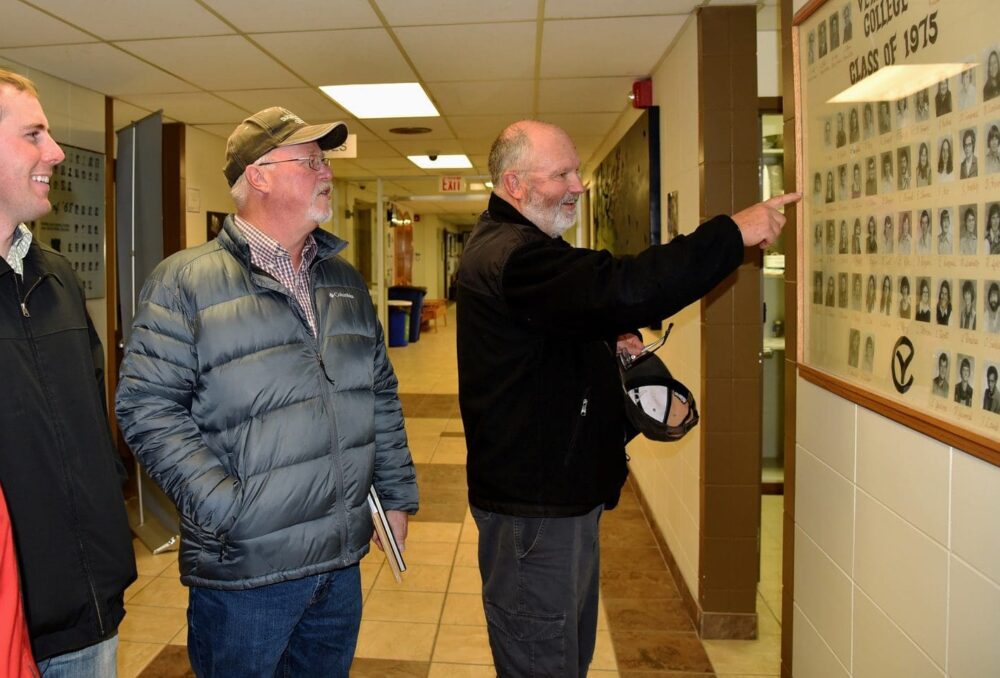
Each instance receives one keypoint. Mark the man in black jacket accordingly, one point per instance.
(58, 467)
(539, 323)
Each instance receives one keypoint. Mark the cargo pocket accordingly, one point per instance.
(527, 645)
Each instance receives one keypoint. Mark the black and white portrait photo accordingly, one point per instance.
(968, 239)
(970, 166)
(963, 389)
(945, 239)
(903, 178)
(939, 385)
(923, 313)
(991, 87)
(853, 347)
(905, 301)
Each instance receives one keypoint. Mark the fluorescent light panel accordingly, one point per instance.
(442, 162)
(385, 100)
(895, 82)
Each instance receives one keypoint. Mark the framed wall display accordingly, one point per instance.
(75, 226)
(899, 162)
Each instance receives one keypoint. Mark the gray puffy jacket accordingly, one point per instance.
(265, 437)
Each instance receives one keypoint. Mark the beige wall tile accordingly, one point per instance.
(973, 620)
(906, 471)
(428, 553)
(181, 638)
(810, 655)
(825, 425)
(975, 506)
(148, 564)
(824, 507)
(604, 653)
(823, 594)
(882, 649)
(904, 572)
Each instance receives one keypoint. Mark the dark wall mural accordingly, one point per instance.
(626, 193)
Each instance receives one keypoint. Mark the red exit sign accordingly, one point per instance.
(452, 185)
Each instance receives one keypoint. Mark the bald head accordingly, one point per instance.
(535, 168)
(515, 147)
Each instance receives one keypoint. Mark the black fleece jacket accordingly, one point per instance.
(539, 389)
(58, 466)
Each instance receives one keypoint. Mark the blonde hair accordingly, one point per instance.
(17, 82)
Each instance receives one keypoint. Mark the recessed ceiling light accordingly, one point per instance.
(441, 161)
(895, 82)
(384, 100)
(409, 130)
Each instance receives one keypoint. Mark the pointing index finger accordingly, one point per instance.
(782, 200)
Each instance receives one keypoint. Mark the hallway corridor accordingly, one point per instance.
(432, 625)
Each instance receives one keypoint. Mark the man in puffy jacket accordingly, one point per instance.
(539, 322)
(59, 469)
(257, 392)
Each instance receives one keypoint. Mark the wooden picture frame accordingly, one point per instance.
(898, 157)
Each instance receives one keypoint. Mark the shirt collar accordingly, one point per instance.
(19, 249)
(264, 248)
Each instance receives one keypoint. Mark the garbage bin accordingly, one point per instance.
(399, 321)
(416, 296)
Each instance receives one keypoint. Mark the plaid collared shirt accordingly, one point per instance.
(268, 254)
(19, 249)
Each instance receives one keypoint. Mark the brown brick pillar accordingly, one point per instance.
(729, 139)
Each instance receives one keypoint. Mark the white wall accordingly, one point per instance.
(897, 549)
(669, 474)
(76, 116)
(204, 155)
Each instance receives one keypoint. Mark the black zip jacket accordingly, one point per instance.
(539, 389)
(58, 467)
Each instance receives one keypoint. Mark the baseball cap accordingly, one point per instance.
(270, 129)
(656, 405)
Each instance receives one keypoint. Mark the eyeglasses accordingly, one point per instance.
(314, 162)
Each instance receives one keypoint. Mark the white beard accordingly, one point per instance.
(551, 220)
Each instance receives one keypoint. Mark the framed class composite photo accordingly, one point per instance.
(898, 122)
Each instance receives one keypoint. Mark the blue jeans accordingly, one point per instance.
(96, 661)
(304, 627)
(541, 580)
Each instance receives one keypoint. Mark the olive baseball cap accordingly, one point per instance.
(270, 129)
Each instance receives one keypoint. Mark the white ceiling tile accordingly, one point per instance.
(482, 98)
(24, 26)
(100, 67)
(381, 126)
(220, 130)
(592, 95)
(480, 126)
(125, 114)
(128, 19)
(261, 16)
(373, 148)
(430, 12)
(582, 124)
(384, 165)
(194, 108)
(356, 56)
(422, 146)
(344, 169)
(593, 47)
(209, 62)
(433, 51)
(308, 103)
(578, 9)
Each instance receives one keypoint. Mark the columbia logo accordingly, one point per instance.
(341, 295)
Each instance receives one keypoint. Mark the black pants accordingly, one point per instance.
(541, 580)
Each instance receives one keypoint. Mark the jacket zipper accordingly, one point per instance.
(577, 427)
(76, 520)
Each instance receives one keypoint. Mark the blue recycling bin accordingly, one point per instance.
(399, 321)
(416, 296)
